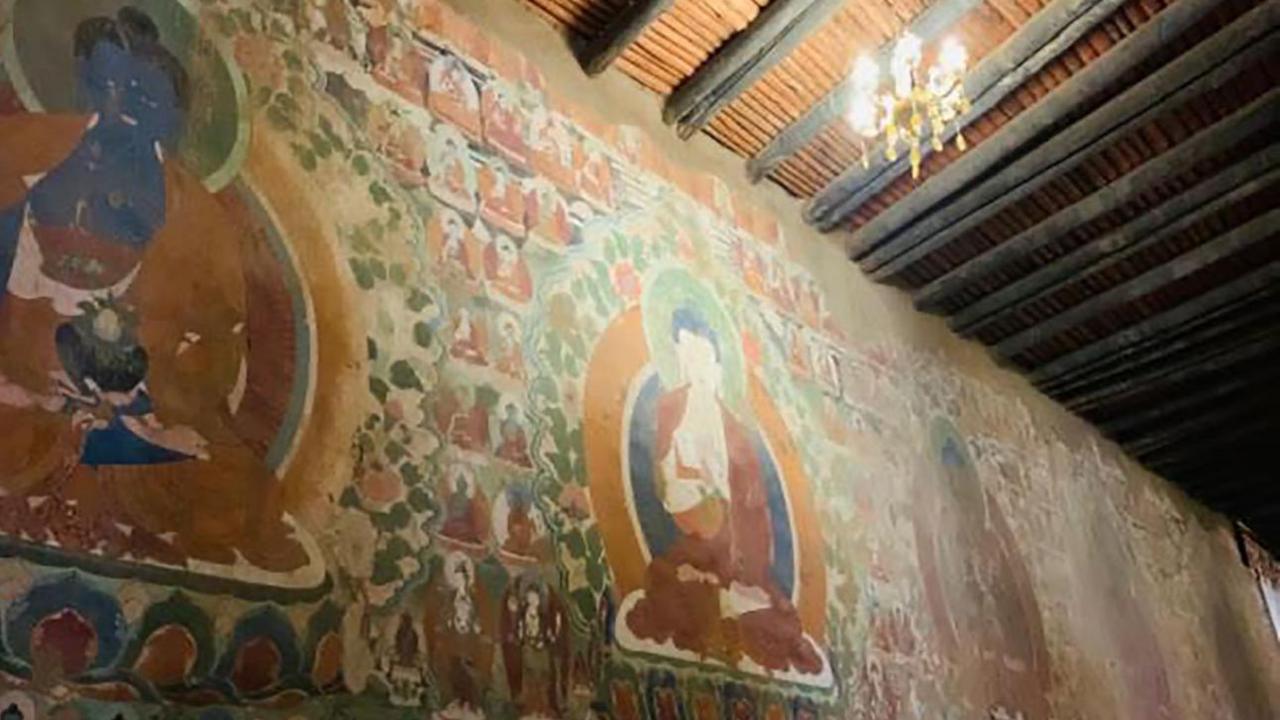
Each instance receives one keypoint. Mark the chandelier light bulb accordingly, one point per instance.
(952, 56)
(906, 57)
(920, 104)
(866, 75)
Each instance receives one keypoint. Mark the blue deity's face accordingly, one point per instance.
(131, 92)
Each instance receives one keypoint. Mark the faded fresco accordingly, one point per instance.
(348, 369)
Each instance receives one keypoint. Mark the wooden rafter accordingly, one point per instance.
(1256, 283)
(1175, 404)
(923, 222)
(779, 28)
(1198, 469)
(1138, 379)
(1215, 327)
(932, 22)
(1156, 226)
(1262, 229)
(598, 53)
(1204, 425)
(1205, 145)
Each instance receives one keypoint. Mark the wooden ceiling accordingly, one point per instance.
(1112, 231)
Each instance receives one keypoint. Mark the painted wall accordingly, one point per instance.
(366, 360)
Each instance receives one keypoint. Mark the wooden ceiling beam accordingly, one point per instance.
(1155, 226)
(1205, 145)
(1258, 230)
(929, 24)
(1217, 359)
(1257, 406)
(974, 188)
(1192, 462)
(1258, 282)
(745, 58)
(598, 53)
(1197, 470)
(1175, 403)
(1220, 327)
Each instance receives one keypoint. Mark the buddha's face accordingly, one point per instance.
(127, 91)
(699, 364)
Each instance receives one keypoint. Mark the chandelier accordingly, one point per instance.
(918, 106)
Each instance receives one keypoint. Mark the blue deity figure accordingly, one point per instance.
(123, 317)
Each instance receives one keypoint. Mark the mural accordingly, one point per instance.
(348, 370)
(154, 429)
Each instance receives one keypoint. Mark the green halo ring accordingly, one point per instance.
(36, 50)
(669, 287)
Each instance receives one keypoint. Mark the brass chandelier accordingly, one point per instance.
(919, 104)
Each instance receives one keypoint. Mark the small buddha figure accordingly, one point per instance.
(403, 145)
(551, 149)
(506, 272)
(461, 418)
(405, 674)
(521, 531)
(510, 354)
(535, 648)
(546, 214)
(452, 241)
(501, 199)
(504, 120)
(595, 175)
(513, 442)
(466, 509)
(461, 647)
(469, 338)
(452, 174)
(778, 285)
(452, 94)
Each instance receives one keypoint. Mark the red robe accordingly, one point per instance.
(738, 548)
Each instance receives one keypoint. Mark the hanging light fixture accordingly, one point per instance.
(917, 106)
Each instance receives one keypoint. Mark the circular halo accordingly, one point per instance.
(38, 57)
(672, 287)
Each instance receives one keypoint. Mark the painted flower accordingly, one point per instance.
(420, 443)
(575, 500)
(626, 282)
(405, 406)
(353, 540)
(409, 566)
(380, 488)
(416, 534)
